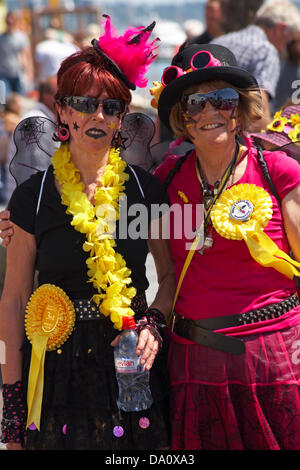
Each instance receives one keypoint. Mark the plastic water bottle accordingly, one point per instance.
(133, 381)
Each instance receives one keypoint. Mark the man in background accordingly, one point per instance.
(258, 47)
(50, 52)
(16, 65)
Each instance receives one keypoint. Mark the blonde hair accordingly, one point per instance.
(249, 107)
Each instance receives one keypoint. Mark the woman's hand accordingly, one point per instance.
(6, 228)
(147, 347)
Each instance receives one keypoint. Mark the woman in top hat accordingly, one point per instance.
(90, 284)
(234, 359)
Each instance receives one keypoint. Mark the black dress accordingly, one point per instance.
(79, 409)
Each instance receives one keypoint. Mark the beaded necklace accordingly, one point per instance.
(210, 194)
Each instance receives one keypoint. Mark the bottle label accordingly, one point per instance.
(125, 365)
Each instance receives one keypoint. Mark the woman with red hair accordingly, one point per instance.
(89, 281)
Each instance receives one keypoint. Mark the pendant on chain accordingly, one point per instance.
(207, 243)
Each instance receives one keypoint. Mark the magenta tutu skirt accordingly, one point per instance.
(247, 402)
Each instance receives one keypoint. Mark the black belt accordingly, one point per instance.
(201, 331)
(87, 309)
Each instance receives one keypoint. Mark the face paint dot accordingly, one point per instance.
(64, 429)
(118, 431)
(144, 423)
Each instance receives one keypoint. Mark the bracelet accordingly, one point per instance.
(156, 316)
(152, 319)
(13, 423)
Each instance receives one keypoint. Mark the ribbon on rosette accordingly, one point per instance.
(241, 213)
(49, 321)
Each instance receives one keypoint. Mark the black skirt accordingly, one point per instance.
(79, 409)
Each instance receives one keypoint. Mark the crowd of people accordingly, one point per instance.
(28, 74)
(220, 337)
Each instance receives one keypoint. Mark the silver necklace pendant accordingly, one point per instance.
(208, 202)
(208, 243)
(200, 237)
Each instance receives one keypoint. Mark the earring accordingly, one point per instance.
(63, 134)
(118, 141)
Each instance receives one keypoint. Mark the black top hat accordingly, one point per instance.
(223, 66)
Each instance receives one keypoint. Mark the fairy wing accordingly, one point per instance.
(135, 139)
(34, 147)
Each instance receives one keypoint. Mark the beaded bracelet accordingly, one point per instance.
(152, 319)
(13, 422)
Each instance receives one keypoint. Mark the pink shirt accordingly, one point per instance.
(226, 280)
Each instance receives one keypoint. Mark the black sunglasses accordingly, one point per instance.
(89, 105)
(224, 99)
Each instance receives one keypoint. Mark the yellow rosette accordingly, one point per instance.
(241, 213)
(49, 320)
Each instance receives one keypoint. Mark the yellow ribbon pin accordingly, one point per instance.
(241, 213)
(49, 320)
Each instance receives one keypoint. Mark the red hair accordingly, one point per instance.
(82, 70)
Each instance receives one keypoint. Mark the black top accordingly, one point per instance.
(60, 258)
(80, 387)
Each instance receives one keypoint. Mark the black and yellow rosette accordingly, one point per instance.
(241, 213)
(49, 320)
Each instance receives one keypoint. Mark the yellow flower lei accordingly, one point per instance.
(107, 269)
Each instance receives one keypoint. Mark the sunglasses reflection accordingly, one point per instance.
(225, 99)
(89, 105)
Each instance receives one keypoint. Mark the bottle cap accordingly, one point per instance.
(128, 323)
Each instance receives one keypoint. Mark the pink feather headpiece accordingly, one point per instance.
(130, 55)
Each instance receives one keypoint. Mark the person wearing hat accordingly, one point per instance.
(59, 338)
(283, 132)
(234, 347)
(260, 45)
